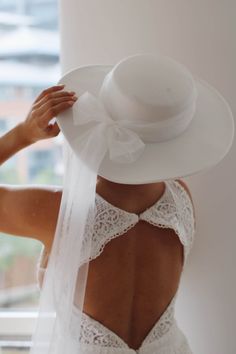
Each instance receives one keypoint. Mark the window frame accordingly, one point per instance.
(17, 327)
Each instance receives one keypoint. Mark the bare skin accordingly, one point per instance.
(140, 270)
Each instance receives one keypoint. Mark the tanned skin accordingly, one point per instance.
(144, 251)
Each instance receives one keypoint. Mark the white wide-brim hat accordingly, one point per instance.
(186, 126)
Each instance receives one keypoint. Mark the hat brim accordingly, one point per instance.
(202, 145)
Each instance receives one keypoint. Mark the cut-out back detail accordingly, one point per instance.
(105, 335)
(112, 222)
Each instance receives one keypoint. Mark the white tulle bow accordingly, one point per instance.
(123, 144)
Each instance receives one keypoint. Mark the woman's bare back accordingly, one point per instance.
(132, 282)
(134, 279)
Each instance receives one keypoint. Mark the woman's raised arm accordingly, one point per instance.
(32, 211)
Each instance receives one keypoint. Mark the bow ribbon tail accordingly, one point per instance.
(91, 146)
(89, 109)
(124, 145)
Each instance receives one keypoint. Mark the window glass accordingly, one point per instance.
(25, 70)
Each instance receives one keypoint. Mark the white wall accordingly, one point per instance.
(201, 35)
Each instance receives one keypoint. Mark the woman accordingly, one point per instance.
(132, 124)
(35, 211)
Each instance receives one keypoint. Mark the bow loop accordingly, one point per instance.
(88, 109)
(123, 144)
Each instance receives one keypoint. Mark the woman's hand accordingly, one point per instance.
(47, 105)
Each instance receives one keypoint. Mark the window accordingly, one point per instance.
(24, 72)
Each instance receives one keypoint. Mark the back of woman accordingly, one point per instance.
(138, 253)
(135, 124)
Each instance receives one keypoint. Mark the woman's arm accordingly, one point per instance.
(36, 126)
(28, 210)
(12, 142)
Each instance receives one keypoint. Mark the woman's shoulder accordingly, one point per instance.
(183, 184)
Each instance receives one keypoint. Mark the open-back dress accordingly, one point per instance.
(111, 222)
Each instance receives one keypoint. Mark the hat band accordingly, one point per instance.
(90, 109)
(162, 130)
(124, 140)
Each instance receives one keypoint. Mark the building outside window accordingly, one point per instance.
(29, 63)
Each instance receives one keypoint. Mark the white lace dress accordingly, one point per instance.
(165, 337)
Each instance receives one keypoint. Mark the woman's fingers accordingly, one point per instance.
(53, 111)
(49, 90)
(48, 105)
(53, 107)
(48, 97)
(52, 102)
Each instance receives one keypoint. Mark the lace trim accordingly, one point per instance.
(188, 216)
(164, 323)
(111, 222)
(94, 332)
(165, 215)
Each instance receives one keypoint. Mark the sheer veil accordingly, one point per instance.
(66, 274)
(90, 135)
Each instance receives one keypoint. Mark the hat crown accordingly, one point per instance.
(147, 88)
